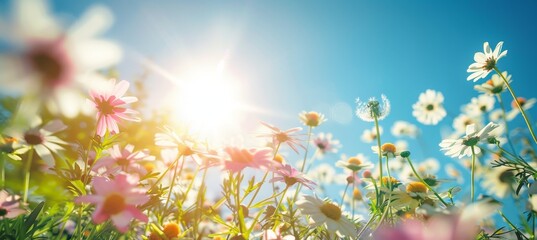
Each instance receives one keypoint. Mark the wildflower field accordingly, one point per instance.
(101, 139)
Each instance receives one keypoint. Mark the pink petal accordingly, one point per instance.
(121, 88)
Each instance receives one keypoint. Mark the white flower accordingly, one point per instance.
(324, 173)
(495, 115)
(354, 163)
(462, 121)
(55, 65)
(525, 104)
(372, 109)
(495, 85)
(499, 181)
(370, 135)
(402, 128)
(429, 109)
(40, 137)
(463, 146)
(485, 61)
(480, 105)
(452, 172)
(327, 214)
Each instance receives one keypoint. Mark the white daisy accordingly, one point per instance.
(429, 109)
(524, 103)
(370, 135)
(495, 115)
(56, 66)
(354, 163)
(463, 120)
(499, 181)
(324, 173)
(327, 214)
(40, 138)
(463, 146)
(402, 128)
(485, 61)
(452, 172)
(480, 105)
(495, 85)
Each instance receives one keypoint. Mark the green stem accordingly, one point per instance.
(27, 166)
(509, 222)
(352, 196)
(238, 207)
(365, 226)
(264, 178)
(423, 181)
(517, 103)
(344, 193)
(379, 147)
(472, 175)
(173, 181)
(307, 149)
(278, 207)
(2, 171)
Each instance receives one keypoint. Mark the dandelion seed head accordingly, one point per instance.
(372, 109)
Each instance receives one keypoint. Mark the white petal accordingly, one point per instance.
(34, 21)
(95, 54)
(94, 22)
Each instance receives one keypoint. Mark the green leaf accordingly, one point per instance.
(30, 220)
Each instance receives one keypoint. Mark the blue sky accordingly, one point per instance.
(316, 55)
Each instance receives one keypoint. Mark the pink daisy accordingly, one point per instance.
(110, 106)
(126, 160)
(326, 144)
(116, 199)
(9, 205)
(279, 136)
(290, 176)
(242, 157)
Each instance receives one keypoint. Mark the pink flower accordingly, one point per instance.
(9, 205)
(116, 199)
(55, 64)
(290, 176)
(461, 225)
(242, 157)
(325, 143)
(276, 235)
(126, 160)
(279, 136)
(110, 106)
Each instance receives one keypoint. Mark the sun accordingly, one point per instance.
(207, 101)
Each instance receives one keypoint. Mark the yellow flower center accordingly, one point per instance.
(392, 180)
(171, 230)
(416, 187)
(289, 181)
(282, 137)
(354, 161)
(185, 150)
(388, 148)
(313, 119)
(357, 194)
(149, 167)
(279, 158)
(113, 204)
(331, 211)
(189, 176)
(520, 100)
